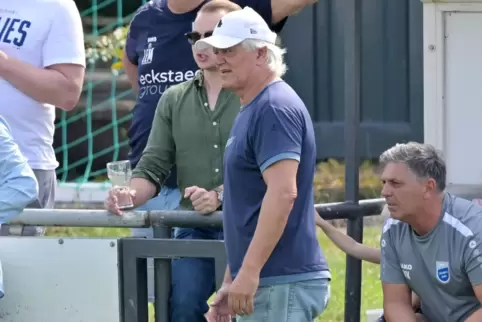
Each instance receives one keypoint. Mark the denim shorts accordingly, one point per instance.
(300, 301)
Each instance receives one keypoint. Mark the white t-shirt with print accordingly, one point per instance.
(41, 33)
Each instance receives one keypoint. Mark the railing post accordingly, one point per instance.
(162, 278)
(352, 23)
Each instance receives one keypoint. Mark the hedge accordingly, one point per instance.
(329, 182)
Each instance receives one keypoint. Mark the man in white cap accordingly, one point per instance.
(276, 269)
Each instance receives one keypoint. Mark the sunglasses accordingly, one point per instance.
(194, 36)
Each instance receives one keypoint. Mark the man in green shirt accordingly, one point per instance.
(191, 127)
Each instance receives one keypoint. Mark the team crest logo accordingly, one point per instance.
(442, 272)
(148, 54)
(149, 51)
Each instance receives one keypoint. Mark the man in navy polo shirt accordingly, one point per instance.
(276, 270)
(158, 56)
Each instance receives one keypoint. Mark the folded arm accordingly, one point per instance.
(471, 261)
(58, 81)
(397, 297)
(397, 305)
(18, 184)
(59, 85)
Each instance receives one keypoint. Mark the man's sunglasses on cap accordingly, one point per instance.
(194, 36)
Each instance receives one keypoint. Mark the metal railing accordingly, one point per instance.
(133, 252)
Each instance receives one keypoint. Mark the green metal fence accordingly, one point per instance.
(95, 131)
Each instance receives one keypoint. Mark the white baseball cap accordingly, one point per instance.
(236, 27)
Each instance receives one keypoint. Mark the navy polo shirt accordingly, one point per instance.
(156, 44)
(276, 125)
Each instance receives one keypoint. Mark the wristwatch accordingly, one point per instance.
(220, 194)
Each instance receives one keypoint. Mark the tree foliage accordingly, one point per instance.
(108, 48)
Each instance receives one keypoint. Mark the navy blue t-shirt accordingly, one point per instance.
(156, 44)
(276, 125)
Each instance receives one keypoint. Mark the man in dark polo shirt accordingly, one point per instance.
(276, 271)
(157, 57)
(190, 129)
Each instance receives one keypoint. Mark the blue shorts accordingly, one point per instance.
(300, 301)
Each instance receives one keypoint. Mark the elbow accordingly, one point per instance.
(285, 196)
(30, 190)
(26, 191)
(289, 196)
(70, 96)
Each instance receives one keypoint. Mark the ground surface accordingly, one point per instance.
(371, 287)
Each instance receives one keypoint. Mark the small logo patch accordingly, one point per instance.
(148, 55)
(442, 272)
(472, 244)
(230, 140)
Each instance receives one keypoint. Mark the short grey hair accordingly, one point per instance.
(422, 159)
(275, 60)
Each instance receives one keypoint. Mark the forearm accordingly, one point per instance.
(285, 8)
(475, 317)
(40, 84)
(348, 244)
(272, 220)
(398, 312)
(153, 167)
(341, 240)
(16, 196)
(145, 190)
(151, 172)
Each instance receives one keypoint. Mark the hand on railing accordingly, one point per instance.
(203, 201)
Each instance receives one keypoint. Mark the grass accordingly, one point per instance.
(371, 287)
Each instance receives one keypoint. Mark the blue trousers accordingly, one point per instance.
(193, 279)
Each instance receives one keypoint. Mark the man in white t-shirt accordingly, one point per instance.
(42, 65)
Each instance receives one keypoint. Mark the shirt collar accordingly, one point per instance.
(199, 79)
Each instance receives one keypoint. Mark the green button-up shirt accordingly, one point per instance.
(186, 132)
